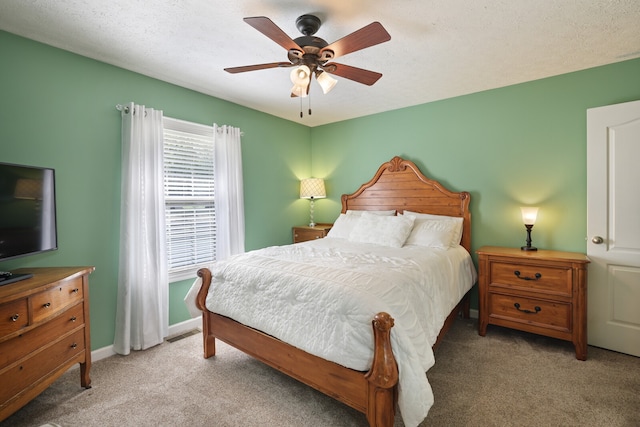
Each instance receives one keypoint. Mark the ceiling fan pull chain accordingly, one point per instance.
(300, 107)
(309, 104)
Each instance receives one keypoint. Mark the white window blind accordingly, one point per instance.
(189, 197)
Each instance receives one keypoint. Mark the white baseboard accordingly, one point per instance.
(186, 326)
(177, 329)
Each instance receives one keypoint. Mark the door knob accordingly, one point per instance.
(597, 240)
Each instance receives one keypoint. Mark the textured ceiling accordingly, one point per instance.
(438, 48)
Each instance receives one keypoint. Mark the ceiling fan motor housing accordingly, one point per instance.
(308, 24)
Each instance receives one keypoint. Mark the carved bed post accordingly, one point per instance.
(383, 376)
(209, 341)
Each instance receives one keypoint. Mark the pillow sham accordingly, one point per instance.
(342, 226)
(382, 230)
(432, 233)
(421, 236)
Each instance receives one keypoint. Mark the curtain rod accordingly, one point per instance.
(124, 108)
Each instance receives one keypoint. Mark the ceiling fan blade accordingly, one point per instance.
(353, 73)
(271, 30)
(368, 36)
(234, 70)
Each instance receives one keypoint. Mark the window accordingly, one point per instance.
(189, 197)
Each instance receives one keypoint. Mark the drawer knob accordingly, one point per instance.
(74, 345)
(75, 291)
(536, 308)
(46, 305)
(73, 318)
(537, 276)
(15, 317)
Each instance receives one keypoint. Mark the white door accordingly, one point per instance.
(613, 227)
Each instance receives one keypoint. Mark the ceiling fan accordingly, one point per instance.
(311, 55)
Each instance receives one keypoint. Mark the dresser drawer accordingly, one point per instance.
(31, 370)
(548, 314)
(13, 316)
(25, 343)
(546, 279)
(54, 300)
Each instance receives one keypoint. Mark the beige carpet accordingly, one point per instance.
(507, 378)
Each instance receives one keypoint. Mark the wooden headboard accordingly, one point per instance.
(400, 185)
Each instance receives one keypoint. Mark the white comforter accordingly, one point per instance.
(322, 295)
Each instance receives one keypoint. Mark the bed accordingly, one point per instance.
(397, 186)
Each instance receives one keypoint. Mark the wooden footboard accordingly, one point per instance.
(373, 393)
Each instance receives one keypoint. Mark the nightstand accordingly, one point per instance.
(542, 292)
(304, 233)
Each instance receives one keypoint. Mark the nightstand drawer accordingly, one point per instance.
(548, 314)
(556, 280)
(305, 233)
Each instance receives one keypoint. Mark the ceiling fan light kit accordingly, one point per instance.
(325, 81)
(300, 75)
(310, 55)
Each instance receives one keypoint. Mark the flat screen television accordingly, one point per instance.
(27, 214)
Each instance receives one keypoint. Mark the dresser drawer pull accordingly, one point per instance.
(74, 345)
(536, 308)
(15, 317)
(75, 291)
(537, 276)
(73, 318)
(46, 305)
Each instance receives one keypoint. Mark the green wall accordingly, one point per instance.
(57, 110)
(519, 145)
(522, 144)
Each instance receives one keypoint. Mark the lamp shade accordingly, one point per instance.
(326, 82)
(300, 91)
(529, 215)
(300, 75)
(312, 188)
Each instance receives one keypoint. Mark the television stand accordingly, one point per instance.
(7, 277)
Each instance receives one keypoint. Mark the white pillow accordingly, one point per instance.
(456, 236)
(382, 230)
(342, 226)
(359, 213)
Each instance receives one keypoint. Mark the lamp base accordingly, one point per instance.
(528, 246)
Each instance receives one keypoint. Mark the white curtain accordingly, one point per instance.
(229, 200)
(142, 304)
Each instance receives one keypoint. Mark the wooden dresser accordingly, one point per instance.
(44, 330)
(543, 292)
(304, 233)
